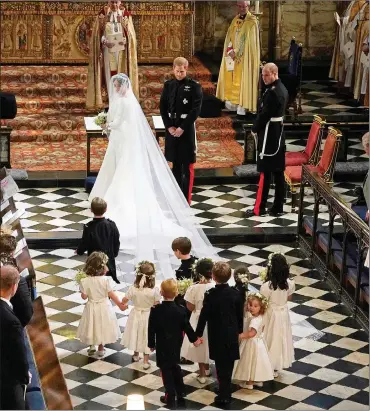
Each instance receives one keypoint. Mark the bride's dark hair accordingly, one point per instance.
(122, 79)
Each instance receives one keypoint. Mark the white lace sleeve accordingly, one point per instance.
(118, 116)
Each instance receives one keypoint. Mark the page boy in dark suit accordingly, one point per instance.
(223, 313)
(101, 234)
(167, 324)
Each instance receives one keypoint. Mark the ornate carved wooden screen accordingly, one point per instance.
(59, 32)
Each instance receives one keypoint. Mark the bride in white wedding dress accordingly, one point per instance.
(143, 197)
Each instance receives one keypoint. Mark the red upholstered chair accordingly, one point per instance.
(311, 153)
(325, 167)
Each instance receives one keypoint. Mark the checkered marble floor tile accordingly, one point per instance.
(320, 97)
(330, 372)
(215, 206)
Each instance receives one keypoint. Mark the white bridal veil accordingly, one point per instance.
(143, 197)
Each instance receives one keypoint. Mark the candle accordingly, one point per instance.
(257, 7)
(135, 402)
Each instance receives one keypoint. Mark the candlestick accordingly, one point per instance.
(257, 7)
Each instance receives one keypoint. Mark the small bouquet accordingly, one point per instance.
(244, 279)
(183, 285)
(263, 274)
(101, 119)
(79, 276)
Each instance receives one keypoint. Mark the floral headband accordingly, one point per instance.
(244, 279)
(144, 276)
(262, 298)
(104, 261)
(263, 273)
(197, 262)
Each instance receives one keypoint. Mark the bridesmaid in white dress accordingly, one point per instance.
(278, 289)
(254, 365)
(144, 296)
(194, 297)
(98, 324)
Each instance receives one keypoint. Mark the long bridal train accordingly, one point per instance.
(143, 197)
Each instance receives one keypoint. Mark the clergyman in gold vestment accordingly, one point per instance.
(104, 63)
(240, 67)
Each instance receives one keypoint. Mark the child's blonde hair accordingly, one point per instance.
(96, 264)
(261, 299)
(145, 275)
(169, 288)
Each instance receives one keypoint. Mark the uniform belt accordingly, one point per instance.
(174, 115)
(272, 120)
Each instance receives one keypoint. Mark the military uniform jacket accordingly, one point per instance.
(223, 313)
(101, 234)
(180, 106)
(167, 324)
(273, 105)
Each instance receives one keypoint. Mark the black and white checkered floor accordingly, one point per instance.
(215, 206)
(330, 372)
(320, 97)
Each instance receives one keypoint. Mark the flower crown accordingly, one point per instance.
(196, 263)
(263, 273)
(138, 267)
(244, 279)
(104, 261)
(262, 298)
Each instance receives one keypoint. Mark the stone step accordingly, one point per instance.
(64, 122)
(53, 75)
(36, 90)
(70, 155)
(52, 106)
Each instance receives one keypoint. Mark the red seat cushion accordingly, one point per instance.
(294, 173)
(295, 159)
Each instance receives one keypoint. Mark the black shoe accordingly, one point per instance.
(275, 213)
(223, 402)
(251, 213)
(181, 399)
(171, 403)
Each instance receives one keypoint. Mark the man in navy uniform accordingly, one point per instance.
(180, 106)
(268, 130)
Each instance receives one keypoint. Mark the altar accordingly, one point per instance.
(59, 32)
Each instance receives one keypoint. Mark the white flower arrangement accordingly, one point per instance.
(263, 273)
(138, 266)
(80, 276)
(195, 264)
(101, 119)
(183, 284)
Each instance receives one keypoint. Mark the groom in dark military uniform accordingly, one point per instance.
(268, 129)
(180, 106)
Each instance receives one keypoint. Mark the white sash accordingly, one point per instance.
(272, 120)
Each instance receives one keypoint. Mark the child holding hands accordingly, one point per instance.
(98, 324)
(254, 365)
(144, 296)
(194, 297)
(167, 323)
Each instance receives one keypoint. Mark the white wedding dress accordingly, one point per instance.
(143, 197)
